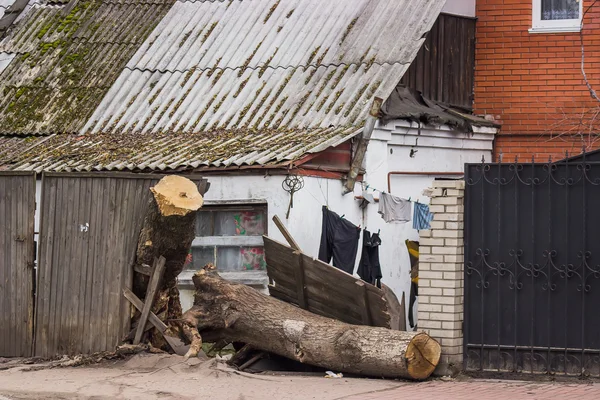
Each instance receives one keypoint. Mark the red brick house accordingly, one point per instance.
(528, 75)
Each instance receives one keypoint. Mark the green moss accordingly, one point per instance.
(326, 81)
(151, 100)
(290, 13)
(271, 11)
(369, 64)
(217, 77)
(25, 56)
(247, 62)
(20, 92)
(209, 31)
(348, 29)
(220, 103)
(188, 75)
(241, 87)
(330, 106)
(185, 37)
(266, 64)
(356, 99)
(313, 55)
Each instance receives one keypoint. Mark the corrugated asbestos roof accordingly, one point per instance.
(284, 64)
(136, 152)
(67, 59)
(217, 83)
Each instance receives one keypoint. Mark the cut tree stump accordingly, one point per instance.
(168, 231)
(237, 313)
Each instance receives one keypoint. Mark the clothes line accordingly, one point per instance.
(383, 191)
(396, 209)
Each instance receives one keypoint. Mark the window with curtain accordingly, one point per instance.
(556, 16)
(560, 9)
(230, 237)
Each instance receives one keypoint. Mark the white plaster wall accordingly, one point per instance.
(439, 149)
(460, 7)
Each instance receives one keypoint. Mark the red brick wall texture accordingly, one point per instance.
(532, 82)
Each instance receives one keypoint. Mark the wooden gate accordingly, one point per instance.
(88, 239)
(17, 210)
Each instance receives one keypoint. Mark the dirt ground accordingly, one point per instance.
(161, 376)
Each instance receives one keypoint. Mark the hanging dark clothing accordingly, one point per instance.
(369, 268)
(339, 239)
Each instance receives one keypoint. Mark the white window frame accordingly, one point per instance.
(257, 279)
(538, 25)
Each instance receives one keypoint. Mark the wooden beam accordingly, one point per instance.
(366, 309)
(157, 273)
(300, 285)
(143, 269)
(137, 303)
(363, 143)
(286, 234)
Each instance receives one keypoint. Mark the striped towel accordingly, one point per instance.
(422, 217)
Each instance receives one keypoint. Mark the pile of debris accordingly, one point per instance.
(296, 322)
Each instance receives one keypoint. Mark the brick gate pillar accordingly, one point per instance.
(441, 280)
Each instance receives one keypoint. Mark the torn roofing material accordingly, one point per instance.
(65, 60)
(283, 64)
(411, 105)
(135, 152)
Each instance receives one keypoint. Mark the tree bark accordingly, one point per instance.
(168, 231)
(239, 313)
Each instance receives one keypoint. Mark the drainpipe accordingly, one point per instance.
(363, 143)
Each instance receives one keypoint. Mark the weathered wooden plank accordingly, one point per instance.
(301, 286)
(17, 199)
(16, 267)
(338, 281)
(4, 293)
(158, 324)
(286, 234)
(157, 273)
(332, 290)
(314, 306)
(83, 318)
(363, 298)
(12, 196)
(114, 287)
(76, 249)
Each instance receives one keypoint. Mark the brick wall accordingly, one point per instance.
(532, 82)
(441, 258)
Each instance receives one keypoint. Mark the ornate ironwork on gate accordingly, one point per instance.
(532, 267)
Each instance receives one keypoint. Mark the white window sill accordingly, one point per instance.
(250, 278)
(564, 29)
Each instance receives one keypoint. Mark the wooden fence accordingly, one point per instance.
(90, 223)
(322, 289)
(17, 210)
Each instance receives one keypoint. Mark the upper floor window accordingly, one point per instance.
(556, 15)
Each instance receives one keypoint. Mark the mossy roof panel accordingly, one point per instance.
(67, 59)
(173, 151)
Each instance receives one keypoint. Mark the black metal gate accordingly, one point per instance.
(532, 267)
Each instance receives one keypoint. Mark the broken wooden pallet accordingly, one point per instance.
(325, 290)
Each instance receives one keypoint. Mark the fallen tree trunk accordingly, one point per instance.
(168, 231)
(237, 313)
